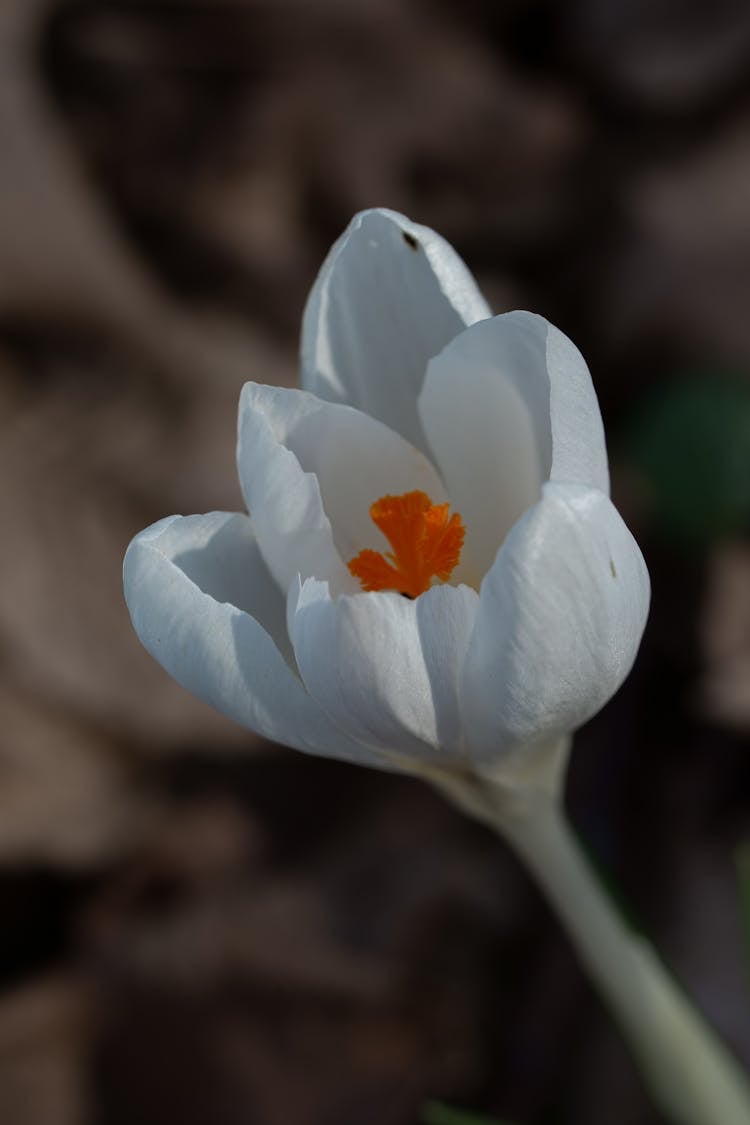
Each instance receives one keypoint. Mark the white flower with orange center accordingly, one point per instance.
(432, 578)
(432, 575)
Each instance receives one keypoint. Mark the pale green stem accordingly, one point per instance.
(691, 1075)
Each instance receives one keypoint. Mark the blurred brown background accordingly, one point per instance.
(197, 928)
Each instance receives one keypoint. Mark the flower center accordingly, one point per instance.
(426, 544)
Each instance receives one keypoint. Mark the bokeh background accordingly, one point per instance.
(199, 928)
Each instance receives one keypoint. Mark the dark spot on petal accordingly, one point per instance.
(410, 240)
(612, 568)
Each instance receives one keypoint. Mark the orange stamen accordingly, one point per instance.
(426, 544)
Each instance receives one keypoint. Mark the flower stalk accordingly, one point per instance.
(690, 1074)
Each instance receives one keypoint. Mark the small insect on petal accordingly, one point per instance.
(426, 543)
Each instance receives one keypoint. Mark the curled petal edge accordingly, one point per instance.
(217, 651)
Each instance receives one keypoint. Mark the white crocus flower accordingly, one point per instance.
(432, 575)
(432, 578)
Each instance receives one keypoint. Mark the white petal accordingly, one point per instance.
(507, 405)
(385, 668)
(389, 296)
(290, 523)
(579, 451)
(204, 605)
(561, 616)
(310, 471)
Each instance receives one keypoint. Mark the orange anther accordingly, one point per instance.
(426, 544)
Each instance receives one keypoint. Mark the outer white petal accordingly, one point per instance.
(385, 668)
(204, 605)
(292, 528)
(561, 616)
(389, 296)
(507, 405)
(310, 471)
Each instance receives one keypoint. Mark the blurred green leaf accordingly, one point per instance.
(690, 442)
(437, 1113)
